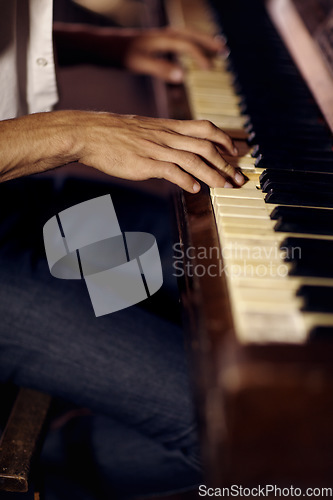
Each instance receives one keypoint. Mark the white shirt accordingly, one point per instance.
(27, 73)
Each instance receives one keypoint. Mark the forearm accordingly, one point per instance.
(76, 43)
(37, 143)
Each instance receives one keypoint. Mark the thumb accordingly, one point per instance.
(168, 71)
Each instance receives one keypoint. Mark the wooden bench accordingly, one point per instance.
(20, 440)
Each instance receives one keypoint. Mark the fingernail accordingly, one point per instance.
(235, 150)
(228, 185)
(224, 53)
(176, 75)
(196, 187)
(221, 39)
(239, 178)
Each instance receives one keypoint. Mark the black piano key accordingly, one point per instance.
(299, 176)
(311, 270)
(257, 125)
(303, 227)
(321, 333)
(297, 186)
(293, 100)
(303, 198)
(304, 118)
(303, 220)
(301, 213)
(307, 249)
(296, 164)
(273, 135)
(288, 155)
(292, 150)
(273, 138)
(309, 256)
(316, 298)
(301, 124)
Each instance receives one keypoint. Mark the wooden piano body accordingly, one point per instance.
(265, 406)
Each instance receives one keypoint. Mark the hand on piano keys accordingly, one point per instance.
(145, 54)
(183, 152)
(146, 51)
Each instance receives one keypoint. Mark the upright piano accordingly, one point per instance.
(256, 263)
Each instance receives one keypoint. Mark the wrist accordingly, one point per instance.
(39, 142)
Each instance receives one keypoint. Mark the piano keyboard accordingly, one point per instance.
(273, 229)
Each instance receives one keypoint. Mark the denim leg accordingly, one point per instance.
(133, 465)
(104, 458)
(129, 366)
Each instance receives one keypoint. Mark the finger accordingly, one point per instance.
(196, 166)
(204, 129)
(172, 173)
(179, 46)
(193, 164)
(206, 150)
(161, 68)
(208, 42)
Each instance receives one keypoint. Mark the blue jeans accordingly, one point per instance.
(128, 367)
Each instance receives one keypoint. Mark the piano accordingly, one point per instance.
(256, 263)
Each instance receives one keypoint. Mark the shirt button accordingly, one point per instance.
(41, 61)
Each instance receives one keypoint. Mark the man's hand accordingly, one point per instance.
(125, 146)
(139, 148)
(140, 50)
(146, 52)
